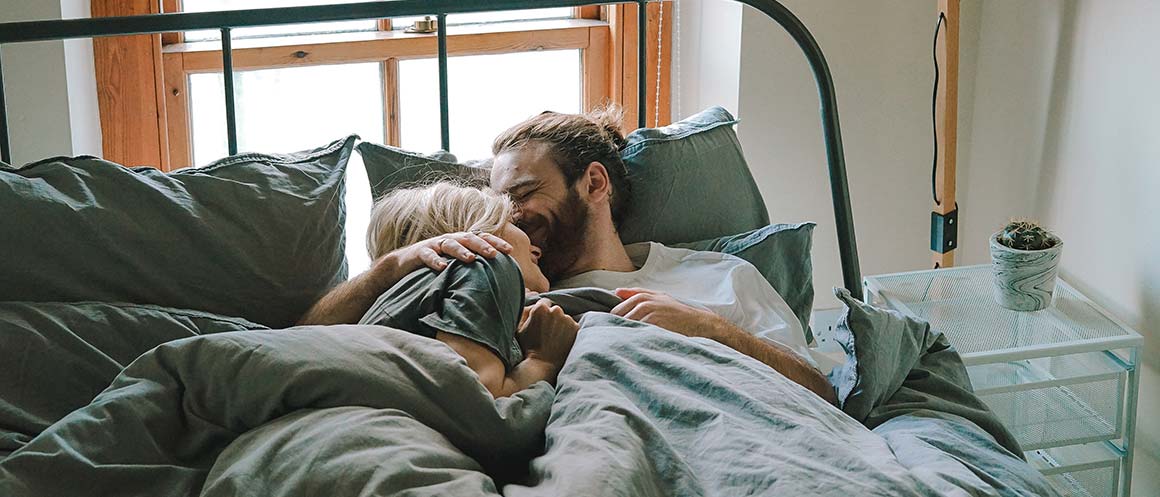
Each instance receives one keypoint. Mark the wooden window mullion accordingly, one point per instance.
(391, 102)
(177, 112)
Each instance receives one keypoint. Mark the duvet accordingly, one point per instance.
(369, 410)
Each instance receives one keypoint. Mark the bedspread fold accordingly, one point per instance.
(163, 423)
(369, 410)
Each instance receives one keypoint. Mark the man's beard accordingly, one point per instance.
(564, 243)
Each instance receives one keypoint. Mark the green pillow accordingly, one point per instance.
(389, 168)
(689, 179)
(690, 182)
(781, 252)
(256, 236)
(57, 357)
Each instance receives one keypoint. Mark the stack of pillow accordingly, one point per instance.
(691, 188)
(103, 262)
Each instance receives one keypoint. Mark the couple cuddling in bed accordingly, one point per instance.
(558, 191)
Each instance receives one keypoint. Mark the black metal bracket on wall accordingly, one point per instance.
(944, 231)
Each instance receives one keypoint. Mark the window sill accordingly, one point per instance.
(468, 30)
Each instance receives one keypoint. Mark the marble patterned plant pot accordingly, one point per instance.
(1023, 279)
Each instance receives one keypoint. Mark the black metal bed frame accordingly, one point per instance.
(15, 32)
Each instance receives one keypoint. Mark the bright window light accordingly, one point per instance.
(289, 29)
(486, 95)
(291, 109)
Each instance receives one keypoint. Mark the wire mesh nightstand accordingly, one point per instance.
(1064, 379)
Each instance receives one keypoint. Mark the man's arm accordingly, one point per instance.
(662, 310)
(776, 356)
(347, 302)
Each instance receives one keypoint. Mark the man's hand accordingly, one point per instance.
(463, 246)
(547, 333)
(347, 302)
(660, 309)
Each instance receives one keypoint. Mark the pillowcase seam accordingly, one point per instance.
(631, 148)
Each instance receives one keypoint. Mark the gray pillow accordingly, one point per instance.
(389, 168)
(897, 366)
(690, 182)
(782, 253)
(57, 357)
(689, 179)
(256, 236)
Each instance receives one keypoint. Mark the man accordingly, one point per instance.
(571, 191)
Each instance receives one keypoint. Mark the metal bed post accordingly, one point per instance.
(444, 114)
(831, 133)
(5, 149)
(641, 65)
(228, 77)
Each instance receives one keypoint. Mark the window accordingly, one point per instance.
(273, 115)
(320, 27)
(482, 107)
(507, 15)
(299, 86)
(320, 81)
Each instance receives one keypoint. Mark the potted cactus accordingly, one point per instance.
(1024, 261)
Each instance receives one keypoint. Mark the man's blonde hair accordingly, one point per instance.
(409, 215)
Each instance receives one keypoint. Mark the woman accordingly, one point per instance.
(473, 306)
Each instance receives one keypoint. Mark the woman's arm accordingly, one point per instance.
(546, 335)
(347, 302)
(491, 371)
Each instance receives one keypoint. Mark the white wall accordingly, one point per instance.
(1100, 175)
(1101, 169)
(879, 54)
(1066, 120)
(1001, 151)
(49, 88)
(880, 57)
(1058, 120)
(707, 67)
(84, 113)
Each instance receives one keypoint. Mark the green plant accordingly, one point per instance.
(1026, 235)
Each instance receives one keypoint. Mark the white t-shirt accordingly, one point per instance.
(727, 285)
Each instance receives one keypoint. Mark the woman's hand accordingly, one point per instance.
(547, 333)
(463, 246)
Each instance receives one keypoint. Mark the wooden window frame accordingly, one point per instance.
(151, 99)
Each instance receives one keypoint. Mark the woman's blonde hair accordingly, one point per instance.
(406, 216)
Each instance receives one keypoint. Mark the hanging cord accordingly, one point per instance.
(660, 44)
(933, 111)
(677, 54)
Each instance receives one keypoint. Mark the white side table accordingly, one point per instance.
(1064, 380)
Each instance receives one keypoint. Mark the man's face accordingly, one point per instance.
(552, 214)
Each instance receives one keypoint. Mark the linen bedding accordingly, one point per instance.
(370, 410)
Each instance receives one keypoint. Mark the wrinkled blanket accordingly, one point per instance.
(367, 410)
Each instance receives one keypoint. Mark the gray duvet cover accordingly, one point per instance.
(368, 410)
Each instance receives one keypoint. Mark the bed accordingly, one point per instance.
(157, 355)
